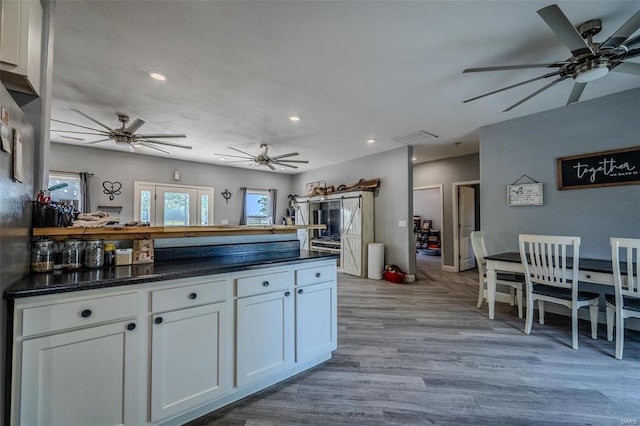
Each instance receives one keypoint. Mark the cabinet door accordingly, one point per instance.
(264, 335)
(351, 237)
(190, 361)
(82, 377)
(316, 320)
(302, 218)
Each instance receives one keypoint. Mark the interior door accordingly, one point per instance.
(467, 221)
(176, 206)
(351, 237)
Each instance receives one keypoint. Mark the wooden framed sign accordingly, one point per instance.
(524, 194)
(605, 168)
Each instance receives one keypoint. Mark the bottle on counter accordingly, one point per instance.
(109, 254)
(94, 254)
(42, 256)
(71, 255)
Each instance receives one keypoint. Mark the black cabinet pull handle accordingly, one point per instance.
(193, 296)
(86, 313)
(300, 291)
(158, 320)
(588, 276)
(265, 283)
(287, 293)
(131, 326)
(318, 274)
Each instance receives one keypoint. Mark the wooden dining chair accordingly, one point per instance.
(551, 273)
(625, 303)
(515, 282)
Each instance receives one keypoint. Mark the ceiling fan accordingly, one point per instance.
(123, 135)
(263, 159)
(589, 60)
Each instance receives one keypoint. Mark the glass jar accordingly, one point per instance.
(109, 254)
(94, 254)
(42, 256)
(71, 255)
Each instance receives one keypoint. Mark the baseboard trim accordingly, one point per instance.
(448, 268)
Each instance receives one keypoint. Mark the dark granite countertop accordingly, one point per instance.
(88, 279)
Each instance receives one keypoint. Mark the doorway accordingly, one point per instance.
(427, 227)
(466, 215)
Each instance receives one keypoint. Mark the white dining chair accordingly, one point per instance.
(625, 303)
(552, 276)
(515, 282)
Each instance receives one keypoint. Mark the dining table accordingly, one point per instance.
(595, 271)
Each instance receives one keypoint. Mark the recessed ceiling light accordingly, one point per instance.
(157, 76)
(294, 118)
(414, 158)
(221, 158)
(371, 141)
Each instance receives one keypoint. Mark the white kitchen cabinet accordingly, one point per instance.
(21, 45)
(316, 311)
(81, 377)
(264, 328)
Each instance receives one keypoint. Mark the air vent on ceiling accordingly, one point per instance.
(417, 138)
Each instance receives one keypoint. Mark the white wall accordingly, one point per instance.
(124, 167)
(393, 202)
(530, 145)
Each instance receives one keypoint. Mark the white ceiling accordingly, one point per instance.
(351, 70)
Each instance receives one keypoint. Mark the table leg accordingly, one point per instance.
(491, 291)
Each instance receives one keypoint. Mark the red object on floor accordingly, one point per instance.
(394, 277)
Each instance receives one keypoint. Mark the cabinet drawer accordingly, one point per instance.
(264, 283)
(315, 275)
(187, 296)
(51, 318)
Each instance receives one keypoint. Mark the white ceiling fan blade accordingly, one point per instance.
(78, 125)
(132, 148)
(270, 166)
(92, 119)
(157, 148)
(72, 138)
(512, 86)
(564, 30)
(285, 165)
(242, 152)
(237, 161)
(135, 126)
(177, 145)
(576, 92)
(101, 140)
(234, 156)
(295, 161)
(537, 92)
(623, 33)
(291, 154)
(81, 133)
(163, 136)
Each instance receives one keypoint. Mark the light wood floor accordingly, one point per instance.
(422, 353)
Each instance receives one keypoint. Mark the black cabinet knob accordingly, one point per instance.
(158, 320)
(265, 283)
(193, 296)
(131, 326)
(318, 274)
(300, 291)
(588, 276)
(86, 313)
(287, 293)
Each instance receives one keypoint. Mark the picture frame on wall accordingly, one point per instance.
(313, 185)
(18, 167)
(525, 194)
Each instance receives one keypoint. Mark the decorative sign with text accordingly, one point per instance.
(606, 168)
(524, 194)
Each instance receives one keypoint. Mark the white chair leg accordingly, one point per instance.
(480, 293)
(574, 327)
(511, 296)
(593, 313)
(610, 319)
(541, 311)
(519, 302)
(529, 322)
(619, 333)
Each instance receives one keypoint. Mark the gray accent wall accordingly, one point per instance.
(392, 203)
(426, 204)
(530, 145)
(125, 167)
(446, 172)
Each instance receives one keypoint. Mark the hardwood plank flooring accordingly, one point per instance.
(422, 353)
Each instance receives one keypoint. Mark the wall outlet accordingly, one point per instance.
(402, 224)
(224, 222)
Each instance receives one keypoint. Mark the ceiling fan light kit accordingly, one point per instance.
(589, 60)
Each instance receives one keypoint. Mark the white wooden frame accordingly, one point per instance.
(456, 242)
(525, 194)
(151, 186)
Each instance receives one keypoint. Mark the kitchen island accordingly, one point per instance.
(165, 343)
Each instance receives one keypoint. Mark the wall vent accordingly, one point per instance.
(417, 138)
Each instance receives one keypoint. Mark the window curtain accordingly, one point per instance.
(85, 199)
(273, 198)
(243, 208)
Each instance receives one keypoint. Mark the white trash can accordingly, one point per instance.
(376, 261)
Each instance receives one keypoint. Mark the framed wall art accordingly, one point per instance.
(597, 169)
(524, 194)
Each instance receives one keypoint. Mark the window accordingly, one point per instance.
(172, 205)
(258, 207)
(70, 194)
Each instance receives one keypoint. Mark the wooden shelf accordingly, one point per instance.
(154, 232)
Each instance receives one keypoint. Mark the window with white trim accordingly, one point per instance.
(258, 208)
(163, 204)
(70, 194)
